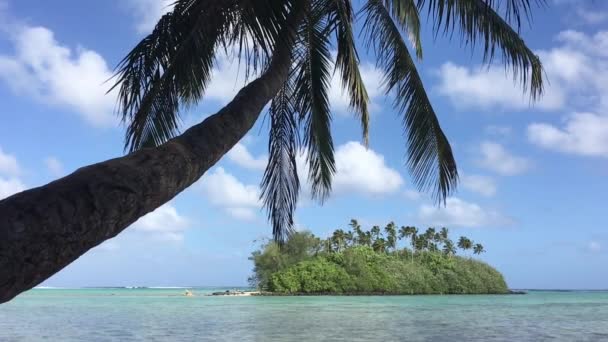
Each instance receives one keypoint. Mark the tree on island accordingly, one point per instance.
(360, 269)
(287, 44)
(478, 249)
(465, 243)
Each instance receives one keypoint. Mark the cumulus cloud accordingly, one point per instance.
(496, 158)
(147, 13)
(8, 164)
(241, 156)
(576, 71)
(54, 166)
(488, 88)
(10, 186)
(482, 185)
(363, 171)
(164, 223)
(225, 191)
(583, 134)
(9, 170)
(459, 213)
(55, 74)
(358, 170)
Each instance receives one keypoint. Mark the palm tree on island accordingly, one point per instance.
(465, 243)
(285, 45)
(478, 249)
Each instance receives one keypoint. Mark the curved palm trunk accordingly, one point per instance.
(44, 229)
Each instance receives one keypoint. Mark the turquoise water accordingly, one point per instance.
(165, 315)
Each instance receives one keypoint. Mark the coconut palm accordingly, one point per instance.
(379, 245)
(376, 232)
(478, 249)
(391, 235)
(350, 238)
(465, 243)
(287, 45)
(448, 248)
(339, 240)
(444, 232)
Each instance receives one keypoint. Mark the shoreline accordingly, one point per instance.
(361, 294)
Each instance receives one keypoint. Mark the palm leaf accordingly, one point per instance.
(478, 21)
(405, 12)
(430, 157)
(281, 185)
(313, 64)
(170, 65)
(347, 61)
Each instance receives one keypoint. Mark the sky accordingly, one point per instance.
(533, 175)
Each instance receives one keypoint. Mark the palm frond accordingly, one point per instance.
(478, 21)
(405, 12)
(313, 63)
(430, 157)
(281, 185)
(171, 65)
(171, 68)
(347, 61)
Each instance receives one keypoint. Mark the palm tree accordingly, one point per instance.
(464, 243)
(339, 240)
(478, 249)
(350, 238)
(287, 43)
(391, 235)
(379, 245)
(357, 230)
(448, 248)
(444, 232)
(376, 232)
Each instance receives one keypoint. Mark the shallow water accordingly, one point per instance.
(165, 315)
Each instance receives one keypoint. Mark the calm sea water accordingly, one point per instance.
(165, 315)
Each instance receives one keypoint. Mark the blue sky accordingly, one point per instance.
(533, 177)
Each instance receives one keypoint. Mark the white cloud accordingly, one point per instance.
(364, 171)
(8, 164)
(164, 223)
(576, 74)
(496, 158)
(490, 87)
(10, 186)
(358, 170)
(54, 166)
(9, 170)
(241, 156)
(147, 13)
(58, 75)
(583, 134)
(225, 191)
(482, 185)
(459, 213)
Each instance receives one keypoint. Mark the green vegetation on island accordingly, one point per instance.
(372, 262)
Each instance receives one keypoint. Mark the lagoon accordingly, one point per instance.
(119, 314)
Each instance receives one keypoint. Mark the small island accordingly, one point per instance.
(359, 262)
